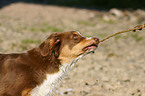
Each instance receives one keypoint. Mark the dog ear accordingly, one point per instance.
(44, 48)
(57, 47)
(48, 46)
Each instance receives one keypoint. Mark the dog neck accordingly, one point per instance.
(52, 80)
(49, 64)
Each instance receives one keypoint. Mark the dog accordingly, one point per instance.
(36, 72)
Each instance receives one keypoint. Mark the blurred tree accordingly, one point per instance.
(87, 3)
(100, 3)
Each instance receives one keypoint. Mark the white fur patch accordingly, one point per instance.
(88, 38)
(52, 80)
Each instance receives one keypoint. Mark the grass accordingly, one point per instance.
(29, 41)
(137, 37)
(134, 36)
(1, 40)
(117, 37)
(20, 29)
(102, 35)
(45, 28)
(5, 16)
(86, 23)
(110, 21)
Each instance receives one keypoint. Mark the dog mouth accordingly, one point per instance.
(90, 48)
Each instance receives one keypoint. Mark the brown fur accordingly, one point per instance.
(21, 72)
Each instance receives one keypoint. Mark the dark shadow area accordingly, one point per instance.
(85, 4)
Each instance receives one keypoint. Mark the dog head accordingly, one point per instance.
(67, 45)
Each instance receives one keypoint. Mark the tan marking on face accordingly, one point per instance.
(76, 33)
(67, 54)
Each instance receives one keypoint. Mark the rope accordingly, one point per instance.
(138, 27)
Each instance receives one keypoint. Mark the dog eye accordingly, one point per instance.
(76, 37)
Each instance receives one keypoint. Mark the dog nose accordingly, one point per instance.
(96, 39)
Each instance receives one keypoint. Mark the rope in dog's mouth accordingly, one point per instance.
(138, 27)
